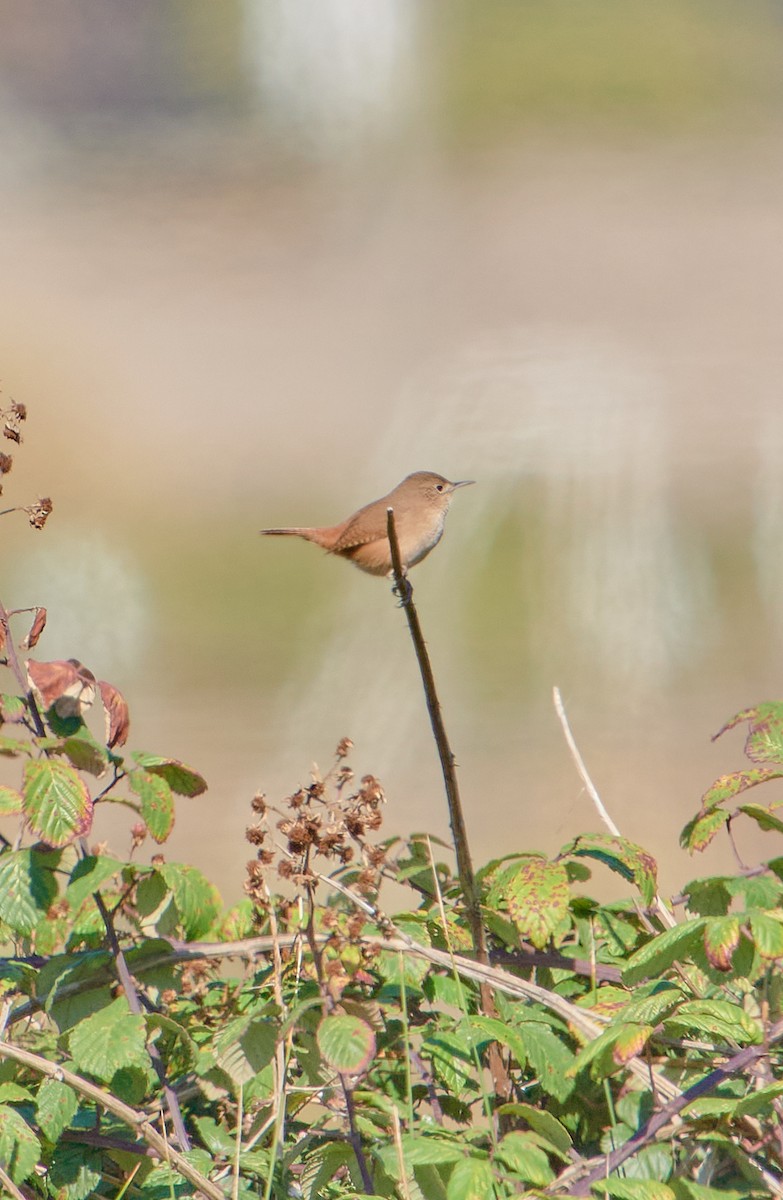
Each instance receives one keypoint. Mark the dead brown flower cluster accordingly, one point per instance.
(12, 417)
(324, 819)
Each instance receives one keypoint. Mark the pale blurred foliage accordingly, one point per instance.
(263, 259)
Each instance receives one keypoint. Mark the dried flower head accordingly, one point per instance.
(37, 513)
(344, 748)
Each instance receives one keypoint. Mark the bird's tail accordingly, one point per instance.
(319, 536)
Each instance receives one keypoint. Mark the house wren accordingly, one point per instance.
(420, 505)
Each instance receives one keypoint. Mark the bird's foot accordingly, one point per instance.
(402, 590)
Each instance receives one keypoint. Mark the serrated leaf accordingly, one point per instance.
(535, 894)
(57, 804)
(633, 1189)
(347, 1043)
(197, 900)
(19, 1147)
(499, 1031)
(716, 1018)
(673, 945)
(157, 803)
(763, 816)
(544, 1123)
(721, 938)
(75, 1171)
(471, 1179)
(27, 888)
(452, 1061)
(729, 786)
(84, 753)
(245, 1046)
(549, 1057)
(520, 1153)
(56, 1106)
(419, 1150)
(109, 1040)
(630, 1041)
(625, 858)
(215, 1137)
(11, 802)
(87, 876)
(700, 831)
(767, 935)
(181, 779)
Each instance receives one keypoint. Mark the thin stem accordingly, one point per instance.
(19, 674)
(465, 873)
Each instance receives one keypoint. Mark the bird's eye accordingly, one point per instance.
(438, 487)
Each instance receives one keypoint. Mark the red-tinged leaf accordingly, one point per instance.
(764, 742)
(729, 786)
(181, 779)
(64, 683)
(10, 802)
(36, 629)
(347, 1043)
(721, 938)
(57, 804)
(626, 858)
(2, 636)
(535, 894)
(630, 1041)
(117, 715)
(699, 832)
(157, 803)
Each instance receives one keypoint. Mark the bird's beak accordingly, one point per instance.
(462, 483)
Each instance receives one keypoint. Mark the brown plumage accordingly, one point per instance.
(420, 505)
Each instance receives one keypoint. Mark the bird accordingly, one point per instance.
(420, 504)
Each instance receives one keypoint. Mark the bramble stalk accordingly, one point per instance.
(465, 872)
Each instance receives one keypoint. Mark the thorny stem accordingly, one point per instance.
(465, 873)
(648, 1130)
(119, 1109)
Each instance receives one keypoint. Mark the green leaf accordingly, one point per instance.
(111, 1039)
(197, 900)
(763, 816)
(673, 945)
(419, 1150)
(452, 1061)
(86, 754)
(625, 858)
(470, 1179)
(728, 786)
(27, 889)
(535, 894)
(549, 1058)
(499, 1031)
(216, 1137)
(88, 875)
(545, 1125)
(10, 747)
(347, 1043)
(699, 832)
(519, 1152)
(75, 1172)
(767, 935)
(10, 802)
(181, 779)
(245, 1046)
(157, 803)
(19, 1147)
(633, 1189)
(56, 1106)
(57, 804)
(716, 1018)
(12, 708)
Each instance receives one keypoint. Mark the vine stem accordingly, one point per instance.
(465, 872)
(121, 1111)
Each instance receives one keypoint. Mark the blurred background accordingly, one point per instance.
(263, 258)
